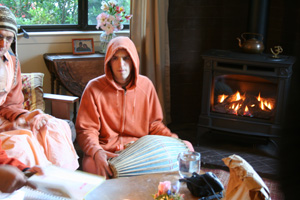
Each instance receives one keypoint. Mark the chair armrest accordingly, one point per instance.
(60, 98)
(60, 105)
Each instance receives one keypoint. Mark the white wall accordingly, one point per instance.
(30, 51)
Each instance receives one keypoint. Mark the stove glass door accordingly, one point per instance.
(244, 95)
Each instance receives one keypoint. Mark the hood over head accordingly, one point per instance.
(114, 45)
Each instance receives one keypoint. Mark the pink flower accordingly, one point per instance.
(163, 187)
(165, 192)
(102, 16)
(119, 9)
(119, 27)
(128, 17)
(32, 6)
(108, 28)
(112, 17)
(112, 3)
(104, 6)
(101, 19)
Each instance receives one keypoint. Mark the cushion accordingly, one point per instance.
(33, 91)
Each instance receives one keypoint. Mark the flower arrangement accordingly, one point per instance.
(112, 17)
(166, 193)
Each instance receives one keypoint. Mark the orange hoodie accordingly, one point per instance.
(109, 116)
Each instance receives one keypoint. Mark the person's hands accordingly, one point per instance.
(31, 119)
(34, 170)
(11, 179)
(102, 166)
(30, 115)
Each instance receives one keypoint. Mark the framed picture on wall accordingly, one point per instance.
(83, 46)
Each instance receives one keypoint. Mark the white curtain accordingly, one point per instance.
(149, 32)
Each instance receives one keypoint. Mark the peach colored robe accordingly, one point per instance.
(51, 144)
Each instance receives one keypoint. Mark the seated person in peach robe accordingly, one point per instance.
(34, 138)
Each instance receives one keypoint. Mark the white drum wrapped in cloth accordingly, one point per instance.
(149, 154)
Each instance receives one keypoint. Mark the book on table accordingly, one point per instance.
(62, 184)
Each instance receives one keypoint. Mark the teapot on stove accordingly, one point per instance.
(252, 45)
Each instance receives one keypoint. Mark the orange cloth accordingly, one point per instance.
(5, 160)
(109, 116)
(51, 144)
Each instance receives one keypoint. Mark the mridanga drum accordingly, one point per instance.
(149, 154)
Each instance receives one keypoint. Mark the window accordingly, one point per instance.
(56, 15)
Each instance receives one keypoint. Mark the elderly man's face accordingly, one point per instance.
(3, 78)
(4, 43)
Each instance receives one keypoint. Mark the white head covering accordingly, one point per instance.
(8, 22)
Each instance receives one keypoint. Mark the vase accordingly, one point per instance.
(104, 40)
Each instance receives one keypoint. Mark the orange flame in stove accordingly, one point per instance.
(246, 112)
(238, 96)
(264, 103)
(223, 97)
(237, 107)
(236, 102)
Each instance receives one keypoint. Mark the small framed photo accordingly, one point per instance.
(83, 46)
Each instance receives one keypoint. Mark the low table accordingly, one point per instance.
(137, 187)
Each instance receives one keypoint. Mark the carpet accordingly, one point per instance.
(273, 185)
(211, 157)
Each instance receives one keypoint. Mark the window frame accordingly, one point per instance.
(81, 26)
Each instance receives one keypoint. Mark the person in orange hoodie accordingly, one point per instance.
(117, 108)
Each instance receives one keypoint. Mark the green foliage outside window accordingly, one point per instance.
(44, 11)
(55, 12)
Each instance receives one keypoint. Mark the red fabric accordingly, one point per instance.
(5, 160)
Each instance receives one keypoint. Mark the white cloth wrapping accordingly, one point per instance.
(244, 183)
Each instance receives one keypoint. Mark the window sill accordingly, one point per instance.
(62, 36)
